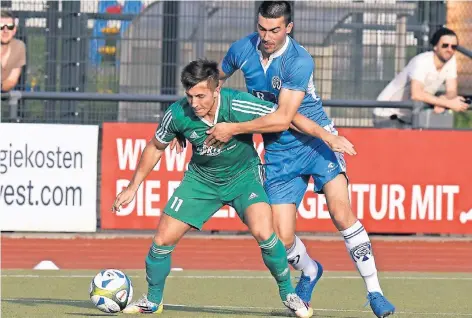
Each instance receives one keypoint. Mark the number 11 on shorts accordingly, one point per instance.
(177, 203)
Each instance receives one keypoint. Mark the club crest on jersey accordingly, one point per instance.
(276, 82)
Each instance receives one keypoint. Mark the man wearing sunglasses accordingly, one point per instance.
(13, 52)
(421, 80)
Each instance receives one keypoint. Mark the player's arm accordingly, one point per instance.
(290, 98)
(151, 155)
(277, 121)
(335, 142)
(294, 85)
(223, 75)
(230, 62)
(289, 102)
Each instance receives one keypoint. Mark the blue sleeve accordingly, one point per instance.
(230, 62)
(234, 58)
(297, 74)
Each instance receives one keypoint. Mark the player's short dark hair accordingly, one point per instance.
(7, 14)
(276, 9)
(440, 33)
(198, 71)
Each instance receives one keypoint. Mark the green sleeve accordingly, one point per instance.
(246, 107)
(167, 129)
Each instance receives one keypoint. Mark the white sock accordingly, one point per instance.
(300, 260)
(360, 249)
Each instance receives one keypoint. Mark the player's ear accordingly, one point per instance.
(217, 90)
(289, 28)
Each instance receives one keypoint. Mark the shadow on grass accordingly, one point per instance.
(86, 304)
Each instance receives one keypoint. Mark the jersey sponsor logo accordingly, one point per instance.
(208, 151)
(252, 196)
(193, 135)
(265, 95)
(276, 82)
(361, 252)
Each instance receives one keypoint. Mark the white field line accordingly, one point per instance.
(240, 277)
(446, 314)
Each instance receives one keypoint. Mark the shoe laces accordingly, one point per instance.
(143, 301)
(372, 296)
(294, 302)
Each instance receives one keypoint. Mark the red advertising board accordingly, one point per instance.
(401, 181)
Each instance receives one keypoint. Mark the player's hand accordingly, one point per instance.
(178, 144)
(219, 134)
(340, 144)
(458, 104)
(124, 198)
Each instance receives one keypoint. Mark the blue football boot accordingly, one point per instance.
(305, 285)
(380, 305)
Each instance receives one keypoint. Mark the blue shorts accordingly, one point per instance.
(287, 172)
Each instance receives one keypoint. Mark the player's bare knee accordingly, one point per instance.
(286, 236)
(287, 240)
(262, 233)
(343, 216)
(163, 240)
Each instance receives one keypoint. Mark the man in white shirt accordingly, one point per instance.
(421, 80)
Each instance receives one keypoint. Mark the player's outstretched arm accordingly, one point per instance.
(279, 120)
(150, 157)
(289, 102)
(335, 142)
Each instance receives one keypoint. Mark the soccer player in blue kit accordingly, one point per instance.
(278, 69)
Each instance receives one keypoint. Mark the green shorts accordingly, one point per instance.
(195, 201)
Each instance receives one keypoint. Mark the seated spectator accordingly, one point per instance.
(421, 80)
(13, 52)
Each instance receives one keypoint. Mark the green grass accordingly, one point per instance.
(234, 294)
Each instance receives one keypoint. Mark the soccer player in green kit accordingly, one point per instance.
(230, 175)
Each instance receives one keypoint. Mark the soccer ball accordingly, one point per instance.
(111, 291)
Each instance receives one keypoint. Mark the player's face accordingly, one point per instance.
(6, 24)
(446, 47)
(203, 98)
(272, 33)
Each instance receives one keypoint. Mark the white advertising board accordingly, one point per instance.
(48, 177)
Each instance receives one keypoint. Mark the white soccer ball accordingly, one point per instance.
(111, 290)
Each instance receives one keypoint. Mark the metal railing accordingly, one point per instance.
(12, 100)
(345, 113)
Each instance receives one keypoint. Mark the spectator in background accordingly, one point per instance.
(421, 80)
(13, 52)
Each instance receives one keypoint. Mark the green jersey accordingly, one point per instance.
(212, 164)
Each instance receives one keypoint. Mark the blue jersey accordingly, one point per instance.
(291, 67)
